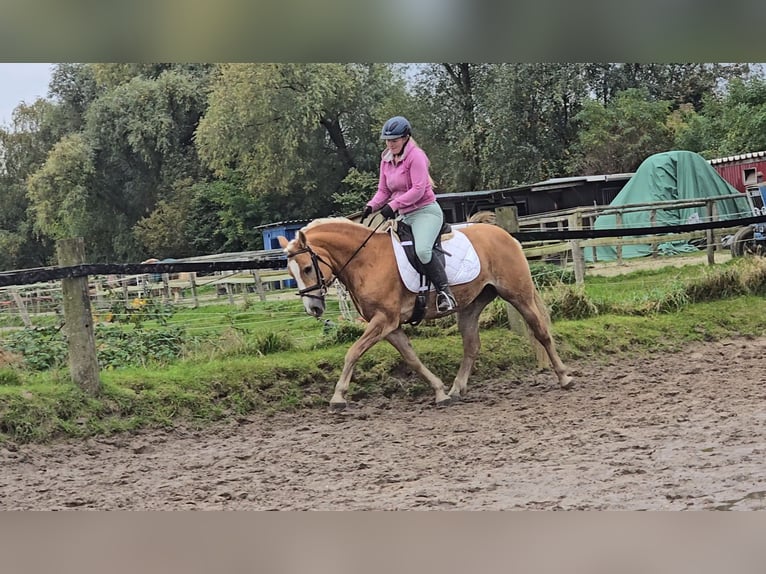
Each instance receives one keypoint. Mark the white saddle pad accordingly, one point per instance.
(460, 259)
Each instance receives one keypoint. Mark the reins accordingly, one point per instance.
(322, 284)
(358, 249)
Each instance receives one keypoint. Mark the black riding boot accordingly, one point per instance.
(445, 301)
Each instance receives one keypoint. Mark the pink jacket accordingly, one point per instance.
(406, 185)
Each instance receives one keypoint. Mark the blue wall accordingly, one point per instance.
(270, 235)
(270, 241)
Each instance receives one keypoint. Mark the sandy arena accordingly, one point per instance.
(669, 432)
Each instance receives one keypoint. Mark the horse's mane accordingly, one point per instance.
(329, 220)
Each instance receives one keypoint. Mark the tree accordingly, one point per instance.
(533, 110)
(450, 123)
(677, 83)
(295, 129)
(617, 137)
(23, 149)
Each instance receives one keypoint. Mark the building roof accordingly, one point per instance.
(283, 223)
(548, 184)
(557, 182)
(739, 157)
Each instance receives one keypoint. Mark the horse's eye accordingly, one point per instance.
(307, 269)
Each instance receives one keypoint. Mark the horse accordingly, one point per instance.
(364, 261)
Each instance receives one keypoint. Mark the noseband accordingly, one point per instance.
(322, 283)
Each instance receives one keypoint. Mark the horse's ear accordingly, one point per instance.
(301, 238)
(282, 241)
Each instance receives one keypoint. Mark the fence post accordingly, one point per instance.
(259, 285)
(618, 247)
(710, 238)
(193, 284)
(22, 308)
(78, 320)
(507, 217)
(165, 288)
(575, 223)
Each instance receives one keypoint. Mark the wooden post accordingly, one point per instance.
(78, 320)
(259, 285)
(165, 288)
(125, 292)
(709, 235)
(653, 223)
(507, 217)
(193, 282)
(618, 247)
(575, 223)
(22, 308)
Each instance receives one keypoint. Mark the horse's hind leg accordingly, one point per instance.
(401, 342)
(532, 308)
(468, 324)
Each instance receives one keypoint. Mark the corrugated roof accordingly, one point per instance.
(280, 223)
(557, 181)
(738, 157)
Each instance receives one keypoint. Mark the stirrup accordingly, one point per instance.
(445, 302)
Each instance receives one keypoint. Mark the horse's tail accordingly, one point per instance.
(543, 308)
(542, 357)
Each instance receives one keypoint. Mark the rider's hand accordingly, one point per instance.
(366, 213)
(387, 212)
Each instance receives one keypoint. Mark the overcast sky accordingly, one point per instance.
(21, 83)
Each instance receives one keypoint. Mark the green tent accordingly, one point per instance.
(669, 176)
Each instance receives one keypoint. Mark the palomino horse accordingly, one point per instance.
(364, 261)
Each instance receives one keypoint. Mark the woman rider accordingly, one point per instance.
(406, 187)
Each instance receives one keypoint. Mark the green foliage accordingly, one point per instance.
(10, 376)
(570, 302)
(286, 127)
(164, 159)
(548, 274)
(340, 333)
(140, 310)
(361, 186)
(42, 348)
(617, 137)
(121, 347)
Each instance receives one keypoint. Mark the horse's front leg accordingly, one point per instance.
(401, 343)
(377, 328)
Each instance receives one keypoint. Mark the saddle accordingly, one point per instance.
(404, 233)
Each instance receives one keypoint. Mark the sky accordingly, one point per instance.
(21, 83)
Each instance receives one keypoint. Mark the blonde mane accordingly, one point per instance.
(336, 220)
(323, 220)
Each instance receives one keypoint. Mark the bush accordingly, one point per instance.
(570, 302)
(548, 274)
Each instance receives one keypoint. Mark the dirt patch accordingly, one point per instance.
(612, 268)
(670, 432)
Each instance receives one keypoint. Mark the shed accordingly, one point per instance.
(541, 197)
(271, 231)
(741, 171)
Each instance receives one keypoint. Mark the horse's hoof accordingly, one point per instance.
(567, 383)
(338, 407)
(444, 402)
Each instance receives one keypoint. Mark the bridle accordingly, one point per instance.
(323, 284)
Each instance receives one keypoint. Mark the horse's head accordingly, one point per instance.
(305, 266)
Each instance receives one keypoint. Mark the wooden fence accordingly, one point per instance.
(76, 294)
(583, 218)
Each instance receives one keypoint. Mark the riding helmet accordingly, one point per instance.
(395, 128)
